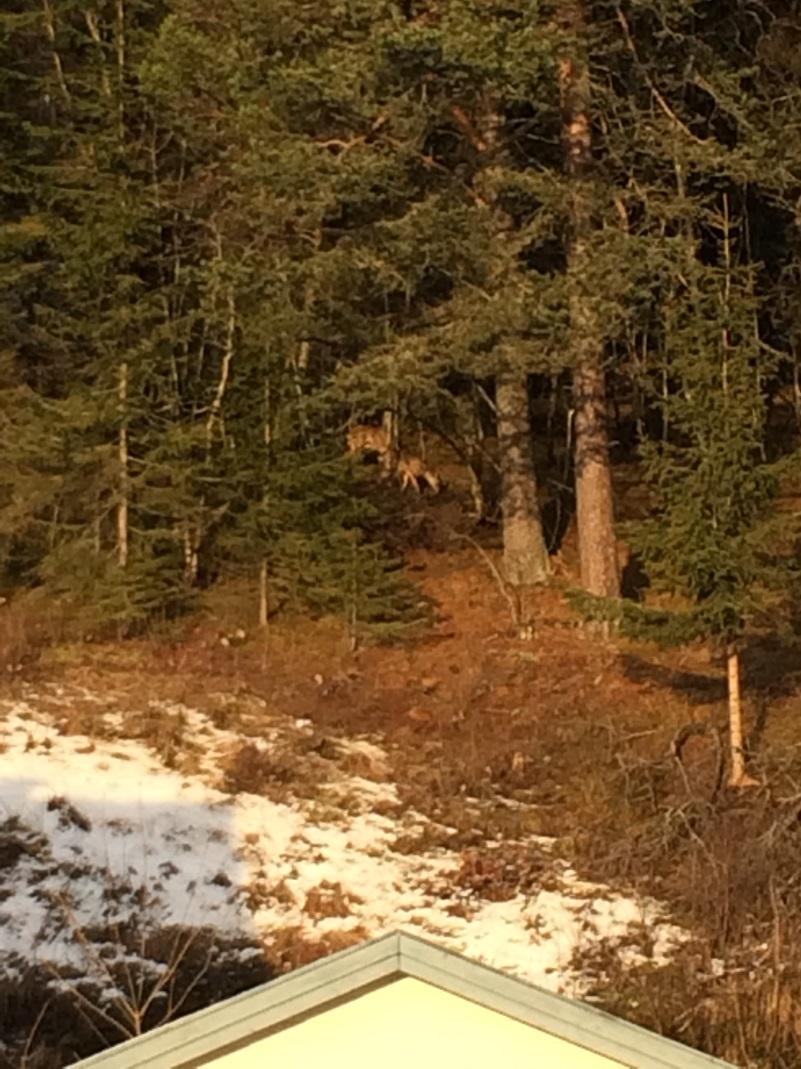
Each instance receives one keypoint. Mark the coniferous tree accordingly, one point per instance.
(594, 502)
(228, 230)
(713, 538)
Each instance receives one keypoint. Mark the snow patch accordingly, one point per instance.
(100, 832)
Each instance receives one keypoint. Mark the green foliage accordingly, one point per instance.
(226, 228)
(352, 576)
(313, 525)
(103, 600)
(711, 537)
(630, 618)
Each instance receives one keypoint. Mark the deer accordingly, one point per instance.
(366, 438)
(411, 470)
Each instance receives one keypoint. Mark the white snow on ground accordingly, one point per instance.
(97, 832)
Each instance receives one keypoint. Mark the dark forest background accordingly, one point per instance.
(230, 231)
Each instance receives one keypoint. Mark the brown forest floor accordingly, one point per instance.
(578, 728)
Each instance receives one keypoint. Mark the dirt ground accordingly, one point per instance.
(614, 747)
(562, 721)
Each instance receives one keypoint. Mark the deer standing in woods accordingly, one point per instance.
(367, 438)
(411, 470)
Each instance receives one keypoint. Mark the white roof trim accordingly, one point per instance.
(199, 1037)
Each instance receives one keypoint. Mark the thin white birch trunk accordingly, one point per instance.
(739, 776)
(92, 25)
(389, 422)
(50, 30)
(215, 412)
(264, 599)
(298, 364)
(191, 556)
(119, 41)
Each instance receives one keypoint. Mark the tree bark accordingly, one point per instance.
(525, 555)
(389, 421)
(93, 26)
(264, 595)
(216, 409)
(119, 43)
(122, 456)
(191, 555)
(594, 500)
(738, 776)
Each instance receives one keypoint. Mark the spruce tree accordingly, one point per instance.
(713, 538)
(593, 479)
(228, 231)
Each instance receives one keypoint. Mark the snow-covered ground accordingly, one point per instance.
(96, 832)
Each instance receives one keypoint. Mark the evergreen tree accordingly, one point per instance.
(594, 502)
(226, 230)
(713, 538)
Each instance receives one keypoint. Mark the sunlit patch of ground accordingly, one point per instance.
(98, 835)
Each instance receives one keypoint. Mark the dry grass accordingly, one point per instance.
(25, 631)
(181, 971)
(254, 771)
(577, 732)
(291, 948)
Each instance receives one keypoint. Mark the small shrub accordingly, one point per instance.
(251, 770)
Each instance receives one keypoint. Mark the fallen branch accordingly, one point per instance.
(510, 593)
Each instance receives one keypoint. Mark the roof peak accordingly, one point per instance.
(352, 972)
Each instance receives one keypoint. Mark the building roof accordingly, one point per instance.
(234, 1023)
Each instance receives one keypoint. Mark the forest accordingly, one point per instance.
(229, 235)
(287, 285)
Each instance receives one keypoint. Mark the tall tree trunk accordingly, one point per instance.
(594, 501)
(191, 552)
(264, 594)
(796, 385)
(525, 555)
(738, 776)
(389, 422)
(119, 44)
(215, 415)
(298, 366)
(122, 456)
(93, 26)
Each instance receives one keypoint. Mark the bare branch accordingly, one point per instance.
(50, 30)
(658, 97)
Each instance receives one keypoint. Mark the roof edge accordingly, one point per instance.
(329, 981)
(574, 1021)
(258, 1011)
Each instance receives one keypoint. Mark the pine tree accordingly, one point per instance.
(714, 536)
(594, 502)
(228, 229)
